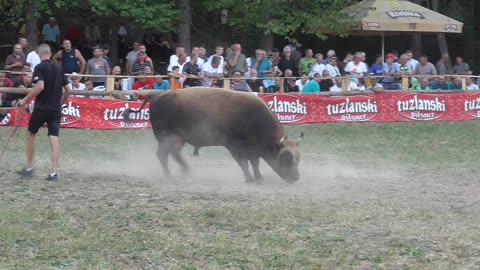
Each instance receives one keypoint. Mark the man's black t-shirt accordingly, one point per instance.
(53, 79)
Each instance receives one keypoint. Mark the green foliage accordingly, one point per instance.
(282, 17)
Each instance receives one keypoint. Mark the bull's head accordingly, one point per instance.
(286, 159)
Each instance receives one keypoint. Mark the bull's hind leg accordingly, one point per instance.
(256, 169)
(162, 154)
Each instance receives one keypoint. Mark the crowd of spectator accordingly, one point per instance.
(264, 72)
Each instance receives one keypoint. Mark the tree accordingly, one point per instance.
(185, 23)
(442, 41)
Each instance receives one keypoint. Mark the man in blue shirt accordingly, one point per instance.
(390, 70)
(161, 84)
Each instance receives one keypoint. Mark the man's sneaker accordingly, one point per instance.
(25, 172)
(52, 177)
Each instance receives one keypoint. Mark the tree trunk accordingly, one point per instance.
(267, 42)
(31, 24)
(442, 41)
(416, 39)
(185, 18)
(469, 32)
(114, 43)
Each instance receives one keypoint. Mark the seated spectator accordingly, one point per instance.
(289, 82)
(326, 83)
(15, 61)
(24, 82)
(177, 83)
(313, 86)
(142, 84)
(361, 84)
(193, 69)
(239, 84)
(302, 82)
(424, 85)
(460, 68)
(457, 84)
(375, 86)
(338, 85)
(470, 85)
(161, 84)
(269, 84)
(26, 69)
(118, 80)
(318, 67)
(441, 84)
(4, 82)
(255, 84)
(212, 72)
(75, 84)
(148, 72)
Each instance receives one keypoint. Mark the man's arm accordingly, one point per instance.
(57, 57)
(83, 63)
(37, 89)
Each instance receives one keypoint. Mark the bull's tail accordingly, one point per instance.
(126, 113)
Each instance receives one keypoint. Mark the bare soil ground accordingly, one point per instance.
(397, 196)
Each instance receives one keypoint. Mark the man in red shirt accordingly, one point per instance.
(141, 84)
(4, 82)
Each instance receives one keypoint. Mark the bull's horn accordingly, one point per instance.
(301, 136)
(283, 139)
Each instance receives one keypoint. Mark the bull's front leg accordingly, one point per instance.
(243, 163)
(255, 161)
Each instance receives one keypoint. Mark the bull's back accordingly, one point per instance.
(211, 116)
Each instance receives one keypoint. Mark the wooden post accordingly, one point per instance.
(226, 83)
(464, 84)
(110, 87)
(171, 81)
(282, 88)
(345, 83)
(405, 83)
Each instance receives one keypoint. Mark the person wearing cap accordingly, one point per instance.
(390, 69)
(106, 51)
(51, 33)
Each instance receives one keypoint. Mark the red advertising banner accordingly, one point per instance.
(289, 109)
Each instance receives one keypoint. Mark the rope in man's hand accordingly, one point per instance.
(19, 116)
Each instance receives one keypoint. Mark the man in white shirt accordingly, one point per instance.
(338, 85)
(302, 82)
(75, 84)
(356, 68)
(181, 61)
(219, 53)
(470, 85)
(174, 58)
(33, 58)
(200, 61)
(211, 72)
(332, 67)
(318, 67)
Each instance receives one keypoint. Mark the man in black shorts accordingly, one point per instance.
(49, 79)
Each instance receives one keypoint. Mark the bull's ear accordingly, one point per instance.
(300, 138)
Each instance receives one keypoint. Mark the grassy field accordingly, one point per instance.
(371, 196)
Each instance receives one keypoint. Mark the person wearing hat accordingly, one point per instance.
(390, 69)
(75, 83)
(51, 33)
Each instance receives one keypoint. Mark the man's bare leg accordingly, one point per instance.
(55, 145)
(30, 150)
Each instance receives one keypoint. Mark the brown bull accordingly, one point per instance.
(241, 122)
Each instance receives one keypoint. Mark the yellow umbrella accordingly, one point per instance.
(375, 17)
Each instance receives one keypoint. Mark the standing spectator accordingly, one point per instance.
(69, 59)
(261, 64)
(332, 67)
(377, 68)
(51, 33)
(318, 67)
(200, 61)
(132, 56)
(191, 68)
(412, 63)
(201, 54)
(425, 67)
(106, 51)
(180, 50)
(297, 55)
(33, 58)
(287, 62)
(138, 67)
(342, 64)
(236, 60)
(330, 53)
(357, 68)
(15, 61)
(98, 66)
(444, 65)
(180, 62)
(307, 62)
(219, 53)
(24, 43)
(460, 67)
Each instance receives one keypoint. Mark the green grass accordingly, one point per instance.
(427, 218)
